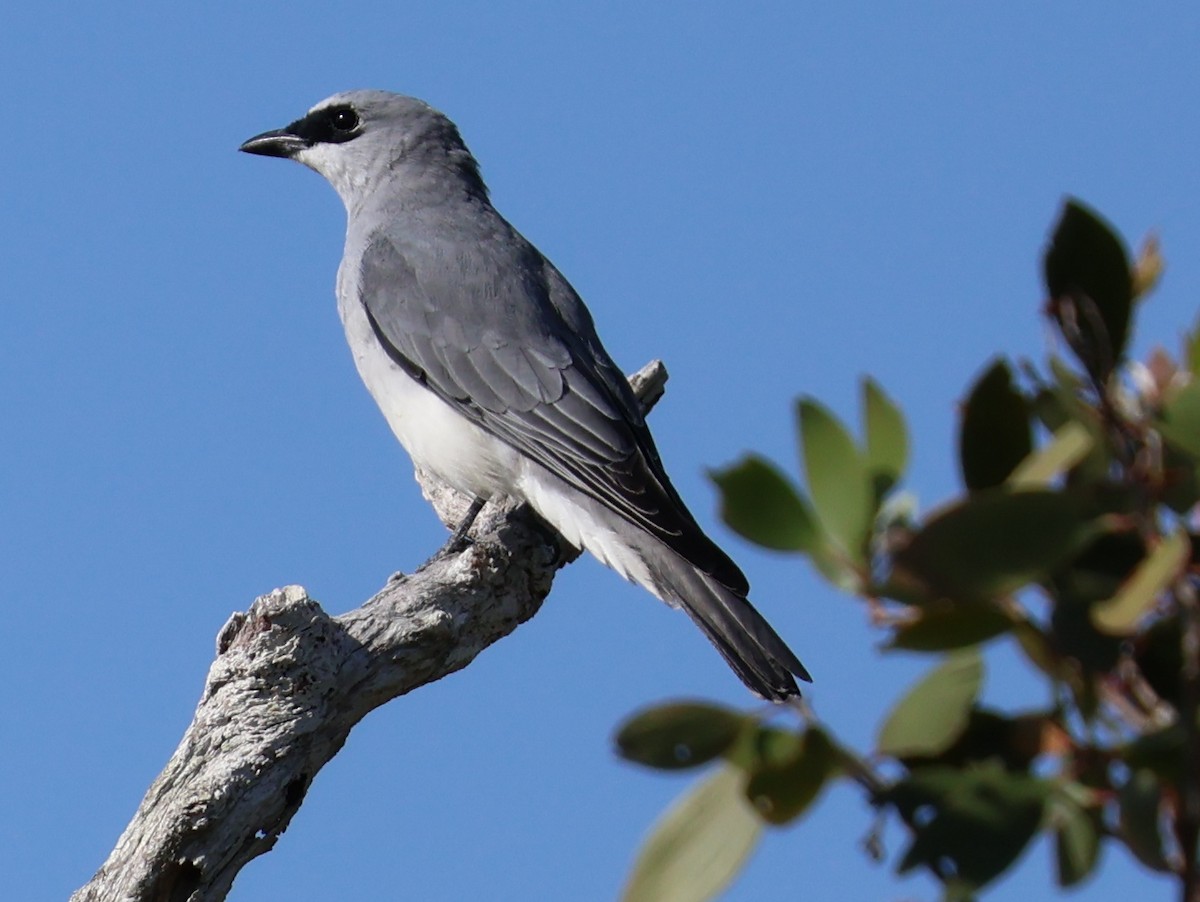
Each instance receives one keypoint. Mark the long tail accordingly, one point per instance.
(743, 637)
(755, 652)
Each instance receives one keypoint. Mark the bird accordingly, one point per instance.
(487, 366)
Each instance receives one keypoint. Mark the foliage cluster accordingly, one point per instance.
(1074, 537)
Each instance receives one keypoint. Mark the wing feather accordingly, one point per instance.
(510, 345)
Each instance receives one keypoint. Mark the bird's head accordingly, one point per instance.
(359, 139)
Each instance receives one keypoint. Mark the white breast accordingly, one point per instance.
(436, 436)
(446, 443)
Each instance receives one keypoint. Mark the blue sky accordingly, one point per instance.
(775, 198)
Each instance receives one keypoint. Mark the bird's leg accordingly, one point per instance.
(458, 540)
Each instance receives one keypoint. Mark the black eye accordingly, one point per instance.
(343, 119)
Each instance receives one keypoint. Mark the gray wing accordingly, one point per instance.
(492, 328)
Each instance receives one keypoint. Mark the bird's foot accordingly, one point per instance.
(459, 539)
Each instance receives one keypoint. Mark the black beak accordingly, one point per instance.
(279, 143)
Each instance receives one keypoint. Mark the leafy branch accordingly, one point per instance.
(1074, 536)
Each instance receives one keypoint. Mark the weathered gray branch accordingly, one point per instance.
(289, 682)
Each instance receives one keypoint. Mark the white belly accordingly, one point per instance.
(437, 437)
(447, 444)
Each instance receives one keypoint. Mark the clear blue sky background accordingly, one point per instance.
(773, 197)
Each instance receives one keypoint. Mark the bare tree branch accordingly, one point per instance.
(289, 683)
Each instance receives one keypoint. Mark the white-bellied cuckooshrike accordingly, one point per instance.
(488, 368)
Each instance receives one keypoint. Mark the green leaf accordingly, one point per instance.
(1159, 751)
(781, 791)
(1090, 283)
(995, 435)
(838, 479)
(1077, 832)
(1076, 638)
(1119, 615)
(1140, 799)
(887, 438)
(1070, 445)
(760, 504)
(935, 711)
(1068, 386)
(1191, 350)
(835, 568)
(679, 735)
(1037, 648)
(698, 846)
(764, 746)
(1066, 400)
(955, 890)
(968, 824)
(1180, 424)
(1158, 653)
(1181, 478)
(1098, 571)
(948, 628)
(1014, 741)
(992, 544)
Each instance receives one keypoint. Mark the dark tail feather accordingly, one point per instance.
(754, 651)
